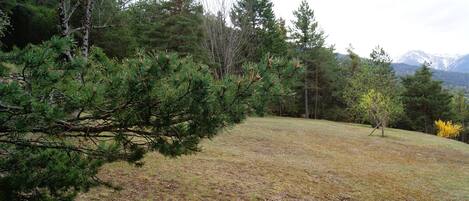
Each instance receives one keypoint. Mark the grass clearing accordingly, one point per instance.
(296, 159)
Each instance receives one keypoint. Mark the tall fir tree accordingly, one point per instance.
(309, 41)
(273, 35)
(305, 31)
(116, 38)
(386, 82)
(262, 32)
(172, 25)
(425, 100)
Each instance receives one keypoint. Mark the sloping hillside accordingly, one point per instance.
(295, 159)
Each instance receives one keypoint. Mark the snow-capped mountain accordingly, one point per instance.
(439, 62)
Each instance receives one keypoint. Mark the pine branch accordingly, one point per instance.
(93, 27)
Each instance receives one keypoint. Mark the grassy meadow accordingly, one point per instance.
(295, 159)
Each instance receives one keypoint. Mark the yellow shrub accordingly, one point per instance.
(448, 129)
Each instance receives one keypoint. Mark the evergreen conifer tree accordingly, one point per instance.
(262, 32)
(425, 100)
(173, 26)
(309, 42)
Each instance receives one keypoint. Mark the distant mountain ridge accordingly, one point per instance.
(454, 80)
(451, 63)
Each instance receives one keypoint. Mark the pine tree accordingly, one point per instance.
(305, 30)
(262, 32)
(116, 37)
(57, 130)
(172, 26)
(273, 35)
(309, 41)
(425, 100)
(386, 80)
(244, 16)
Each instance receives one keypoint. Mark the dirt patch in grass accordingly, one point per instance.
(294, 159)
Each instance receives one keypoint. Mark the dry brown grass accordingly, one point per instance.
(295, 159)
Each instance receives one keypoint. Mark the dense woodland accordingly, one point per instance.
(87, 82)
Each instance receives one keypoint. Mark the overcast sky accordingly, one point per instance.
(434, 26)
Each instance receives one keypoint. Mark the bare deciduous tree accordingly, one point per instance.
(224, 44)
(67, 9)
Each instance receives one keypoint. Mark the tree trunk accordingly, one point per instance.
(63, 19)
(464, 135)
(425, 123)
(306, 95)
(316, 93)
(64, 24)
(87, 28)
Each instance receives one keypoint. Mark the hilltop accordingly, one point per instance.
(295, 159)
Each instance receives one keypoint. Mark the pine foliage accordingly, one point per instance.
(172, 26)
(262, 32)
(101, 110)
(425, 100)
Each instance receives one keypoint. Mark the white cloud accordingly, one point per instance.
(435, 26)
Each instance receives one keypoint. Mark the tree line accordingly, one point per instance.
(87, 82)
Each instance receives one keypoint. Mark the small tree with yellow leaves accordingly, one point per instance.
(380, 109)
(448, 129)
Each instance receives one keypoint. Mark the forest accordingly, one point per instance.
(84, 83)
